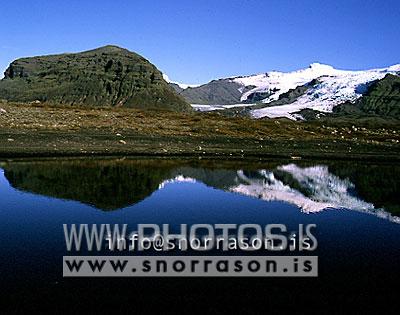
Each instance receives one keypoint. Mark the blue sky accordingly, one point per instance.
(195, 41)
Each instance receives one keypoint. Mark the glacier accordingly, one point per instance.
(334, 87)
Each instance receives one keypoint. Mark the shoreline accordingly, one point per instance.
(59, 145)
(40, 130)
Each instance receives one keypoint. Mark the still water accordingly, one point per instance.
(355, 205)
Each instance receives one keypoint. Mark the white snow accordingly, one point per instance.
(181, 85)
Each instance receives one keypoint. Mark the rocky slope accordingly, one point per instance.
(383, 97)
(107, 76)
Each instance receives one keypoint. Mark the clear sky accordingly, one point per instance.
(195, 41)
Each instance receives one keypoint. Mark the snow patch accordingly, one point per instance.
(181, 85)
(177, 179)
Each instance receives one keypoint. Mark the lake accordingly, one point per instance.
(355, 206)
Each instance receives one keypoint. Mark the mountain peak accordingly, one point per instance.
(109, 49)
(395, 68)
(317, 65)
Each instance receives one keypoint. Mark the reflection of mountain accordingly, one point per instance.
(324, 190)
(114, 184)
(378, 184)
(107, 185)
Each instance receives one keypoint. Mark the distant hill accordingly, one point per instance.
(106, 76)
(216, 92)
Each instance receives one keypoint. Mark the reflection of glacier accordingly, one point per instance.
(325, 190)
(319, 190)
(312, 189)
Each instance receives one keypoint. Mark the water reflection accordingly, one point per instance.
(311, 186)
(107, 185)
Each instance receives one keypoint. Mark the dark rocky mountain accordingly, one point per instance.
(216, 92)
(381, 99)
(107, 76)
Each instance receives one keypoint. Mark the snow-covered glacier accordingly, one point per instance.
(334, 87)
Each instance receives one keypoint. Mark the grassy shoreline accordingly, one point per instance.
(37, 130)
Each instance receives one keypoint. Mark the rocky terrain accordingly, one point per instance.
(41, 130)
